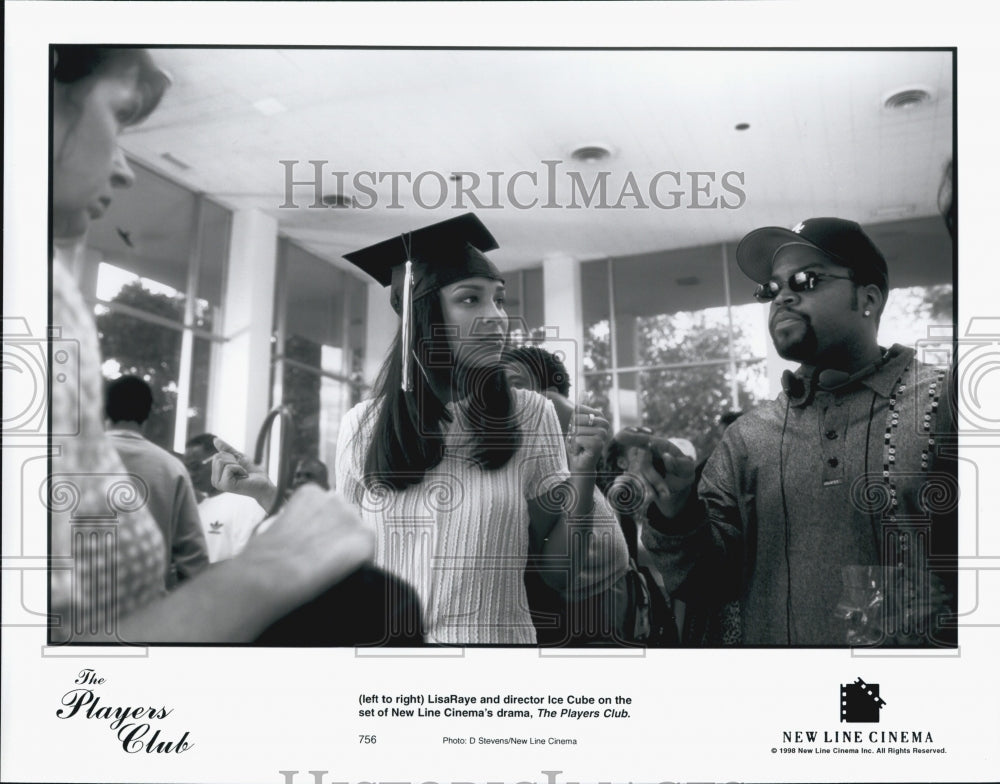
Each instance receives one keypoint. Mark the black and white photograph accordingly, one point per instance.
(378, 403)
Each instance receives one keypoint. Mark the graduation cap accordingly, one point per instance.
(423, 261)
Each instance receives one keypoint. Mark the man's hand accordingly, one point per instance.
(671, 487)
(234, 472)
(315, 541)
(665, 473)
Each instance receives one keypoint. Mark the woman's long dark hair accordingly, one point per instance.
(408, 440)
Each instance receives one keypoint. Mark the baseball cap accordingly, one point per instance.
(843, 241)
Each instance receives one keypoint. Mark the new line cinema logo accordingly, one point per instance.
(859, 702)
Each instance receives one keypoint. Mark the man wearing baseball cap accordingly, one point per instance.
(810, 497)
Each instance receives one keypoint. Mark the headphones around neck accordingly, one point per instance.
(802, 389)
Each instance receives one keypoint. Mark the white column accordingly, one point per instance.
(564, 314)
(628, 410)
(240, 389)
(380, 330)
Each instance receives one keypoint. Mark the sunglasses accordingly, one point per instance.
(803, 280)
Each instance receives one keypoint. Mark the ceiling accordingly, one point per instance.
(819, 142)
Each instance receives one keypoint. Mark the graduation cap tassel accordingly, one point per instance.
(407, 317)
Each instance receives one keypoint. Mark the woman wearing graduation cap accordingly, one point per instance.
(456, 470)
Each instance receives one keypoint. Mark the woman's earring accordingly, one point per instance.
(867, 313)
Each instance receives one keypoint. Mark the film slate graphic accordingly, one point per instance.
(859, 702)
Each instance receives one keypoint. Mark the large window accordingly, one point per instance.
(914, 310)
(668, 346)
(319, 349)
(154, 266)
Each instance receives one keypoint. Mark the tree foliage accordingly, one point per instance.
(683, 402)
(148, 350)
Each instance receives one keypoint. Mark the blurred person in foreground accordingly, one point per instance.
(118, 594)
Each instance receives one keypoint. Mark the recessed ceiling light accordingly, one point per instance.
(337, 200)
(742, 126)
(269, 106)
(907, 98)
(591, 153)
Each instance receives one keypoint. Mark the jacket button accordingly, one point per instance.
(831, 434)
(833, 462)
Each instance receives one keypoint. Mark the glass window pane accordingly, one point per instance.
(525, 305)
(741, 288)
(533, 298)
(118, 285)
(910, 311)
(357, 308)
(132, 346)
(670, 307)
(139, 257)
(323, 311)
(596, 312)
(301, 393)
(515, 305)
(150, 232)
(335, 400)
(676, 338)
(215, 231)
(201, 360)
(318, 404)
(629, 399)
(750, 333)
(314, 308)
(598, 392)
(597, 346)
